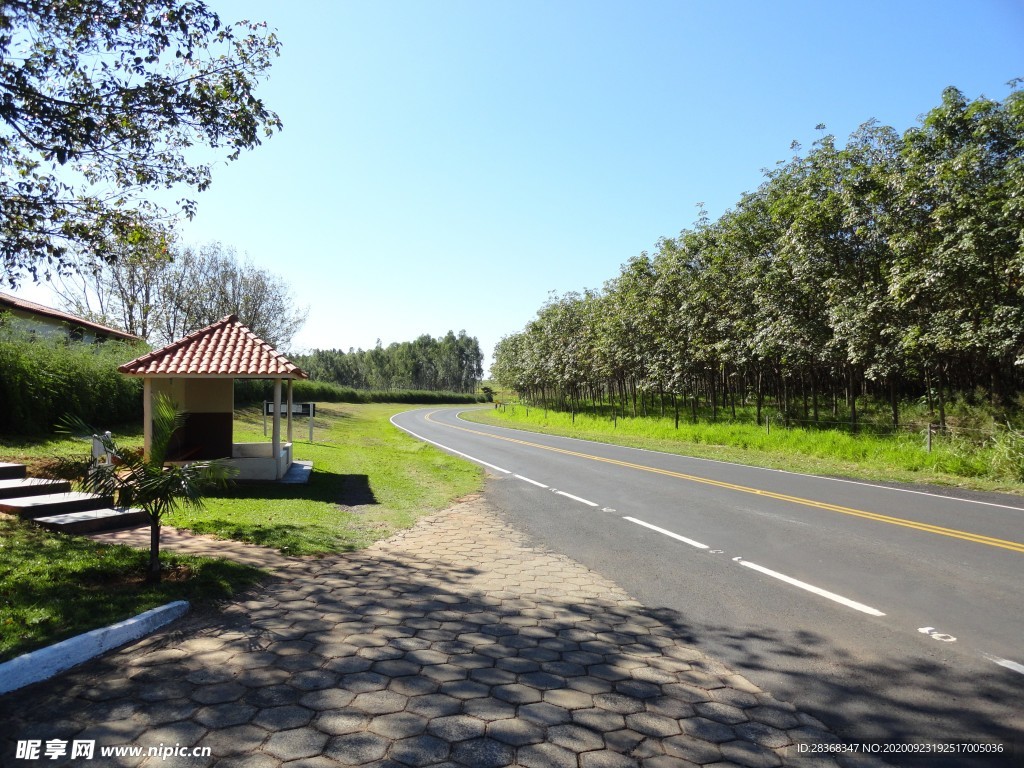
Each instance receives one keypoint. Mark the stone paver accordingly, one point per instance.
(454, 643)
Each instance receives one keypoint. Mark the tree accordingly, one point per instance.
(125, 292)
(958, 244)
(145, 482)
(200, 286)
(162, 293)
(100, 101)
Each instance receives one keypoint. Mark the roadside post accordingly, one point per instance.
(298, 409)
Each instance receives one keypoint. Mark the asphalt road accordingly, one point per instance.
(894, 615)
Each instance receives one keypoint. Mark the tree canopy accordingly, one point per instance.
(892, 265)
(102, 101)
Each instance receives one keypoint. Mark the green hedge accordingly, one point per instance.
(43, 379)
(255, 391)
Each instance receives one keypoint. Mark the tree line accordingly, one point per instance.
(450, 363)
(891, 267)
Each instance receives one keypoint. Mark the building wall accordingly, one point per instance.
(209, 403)
(198, 395)
(46, 326)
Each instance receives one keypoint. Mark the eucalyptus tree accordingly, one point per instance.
(627, 329)
(865, 320)
(957, 243)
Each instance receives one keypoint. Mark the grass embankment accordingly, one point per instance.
(895, 458)
(369, 480)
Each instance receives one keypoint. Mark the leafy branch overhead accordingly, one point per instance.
(102, 100)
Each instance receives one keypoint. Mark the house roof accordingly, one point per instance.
(24, 305)
(226, 348)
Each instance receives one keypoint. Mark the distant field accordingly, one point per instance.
(897, 458)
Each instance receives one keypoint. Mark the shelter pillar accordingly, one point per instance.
(147, 416)
(276, 440)
(291, 385)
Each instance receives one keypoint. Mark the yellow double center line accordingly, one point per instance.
(1013, 546)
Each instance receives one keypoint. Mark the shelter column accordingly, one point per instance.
(147, 416)
(276, 445)
(290, 400)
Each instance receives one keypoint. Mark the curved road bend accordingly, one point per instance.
(893, 615)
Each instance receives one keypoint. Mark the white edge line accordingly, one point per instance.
(675, 536)
(576, 498)
(446, 448)
(748, 466)
(531, 482)
(1006, 663)
(816, 590)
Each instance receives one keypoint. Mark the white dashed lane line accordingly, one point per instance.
(813, 589)
(768, 572)
(675, 536)
(531, 482)
(576, 498)
(1006, 663)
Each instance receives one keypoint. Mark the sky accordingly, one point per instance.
(444, 165)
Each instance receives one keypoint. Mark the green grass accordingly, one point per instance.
(897, 458)
(54, 586)
(369, 480)
(39, 453)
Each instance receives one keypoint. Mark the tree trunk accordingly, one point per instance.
(814, 394)
(894, 404)
(760, 396)
(713, 386)
(153, 574)
(940, 385)
(852, 395)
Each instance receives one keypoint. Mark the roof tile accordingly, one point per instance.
(225, 348)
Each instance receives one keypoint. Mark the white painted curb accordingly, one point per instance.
(46, 662)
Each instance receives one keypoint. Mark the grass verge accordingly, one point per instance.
(898, 458)
(54, 586)
(369, 480)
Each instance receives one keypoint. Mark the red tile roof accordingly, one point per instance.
(8, 301)
(226, 348)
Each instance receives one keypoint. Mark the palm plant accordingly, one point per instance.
(145, 482)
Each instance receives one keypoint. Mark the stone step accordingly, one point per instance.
(54, 504)
(11, 471)
(93, 520)
(31, 486)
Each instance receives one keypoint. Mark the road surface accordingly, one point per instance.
(894, 615)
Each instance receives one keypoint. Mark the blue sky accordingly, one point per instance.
(445, 164)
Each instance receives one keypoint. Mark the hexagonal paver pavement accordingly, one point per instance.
(452, 644)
